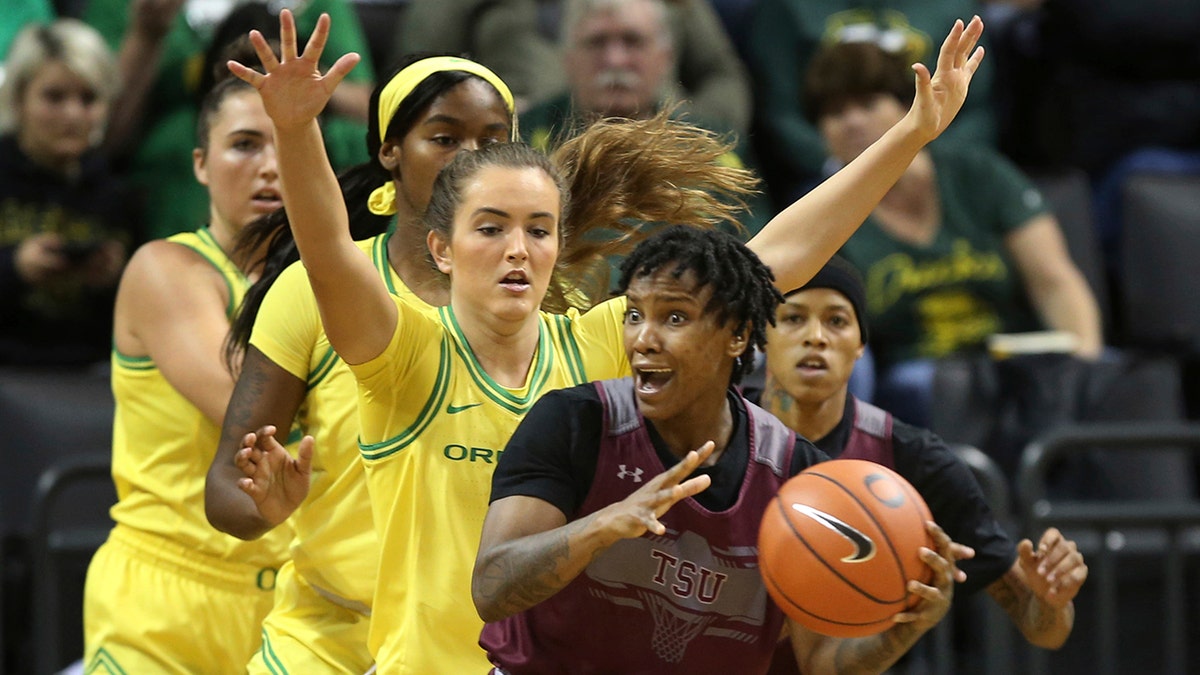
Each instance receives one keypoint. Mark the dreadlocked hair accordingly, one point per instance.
(743, 288)
(628, 178)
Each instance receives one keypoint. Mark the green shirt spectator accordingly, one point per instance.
(950, 295)
(784, 36)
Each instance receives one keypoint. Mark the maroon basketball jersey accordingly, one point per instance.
(689, 601)
(871, 437)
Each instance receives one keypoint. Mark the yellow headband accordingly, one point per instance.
(383, 200)
(406, 80)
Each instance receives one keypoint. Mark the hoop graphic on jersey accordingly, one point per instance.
(674, 628)
(864, 548)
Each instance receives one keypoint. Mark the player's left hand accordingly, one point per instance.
(1055, 571)
(277, 482)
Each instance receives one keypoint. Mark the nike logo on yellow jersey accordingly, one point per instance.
(452, 409)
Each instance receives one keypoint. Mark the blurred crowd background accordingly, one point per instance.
(1062, 207)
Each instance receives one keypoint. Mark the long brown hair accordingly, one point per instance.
(620, 181)
(628, 178)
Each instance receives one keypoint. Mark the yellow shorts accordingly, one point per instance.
(309, 633)
(150, 606)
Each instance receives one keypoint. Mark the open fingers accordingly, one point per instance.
(316, 41)
(304, 453)
(968, 41)
(245, 74)
(687, 465)
(342, 67)
(949, 550)
(947, 55)
(287, 36)
(692, 487)
(263, 51)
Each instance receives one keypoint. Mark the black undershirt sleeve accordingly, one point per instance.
(553, 449)
(956, 502)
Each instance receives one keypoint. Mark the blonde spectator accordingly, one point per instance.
(65, 219)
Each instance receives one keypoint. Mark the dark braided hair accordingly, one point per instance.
(357, 183)
(743, 288)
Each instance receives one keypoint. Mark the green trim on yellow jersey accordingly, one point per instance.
(433, 404)
(324, 367)
(380, 258)
(543, 360)
(103, 662)
(204, 235)
(269, 657)
(133, 362)
(570, 348)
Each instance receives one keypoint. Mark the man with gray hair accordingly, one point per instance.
(619, 58)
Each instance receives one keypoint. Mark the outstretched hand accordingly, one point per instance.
(639, 512)
(935, 600)
(292, 87)
(940, 96)
(276, 481)
(1055, 571)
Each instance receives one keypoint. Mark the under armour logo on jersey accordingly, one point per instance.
(636, 474)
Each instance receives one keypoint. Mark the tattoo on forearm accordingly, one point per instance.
(876, 653)
(539, 567)
(251, 387)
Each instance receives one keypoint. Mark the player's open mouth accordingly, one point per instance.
(268, 199)
(515, 281)
(651, 380)
(812, 364)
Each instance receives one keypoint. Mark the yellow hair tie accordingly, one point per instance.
(383, 199)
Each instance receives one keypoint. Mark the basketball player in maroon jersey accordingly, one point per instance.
(613, 545)
(818, 334)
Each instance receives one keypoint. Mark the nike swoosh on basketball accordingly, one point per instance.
(452, 409)
(864, 548)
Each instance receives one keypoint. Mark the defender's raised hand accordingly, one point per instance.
(292, 87)
(940, 96)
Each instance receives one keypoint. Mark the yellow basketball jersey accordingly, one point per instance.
(433, 425)
(335, 548)
(163, 445)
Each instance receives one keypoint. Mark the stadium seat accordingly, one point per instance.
(70, 521)
(1159, 248)
(1069, 195)
(48, 416)
(1141, 543)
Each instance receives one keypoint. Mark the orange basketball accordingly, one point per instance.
(839, 543)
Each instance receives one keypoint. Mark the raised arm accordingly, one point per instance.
(528, 550)
(798, 241)
(265, 394)
(138, 58)
(822, 655)
(358, 314)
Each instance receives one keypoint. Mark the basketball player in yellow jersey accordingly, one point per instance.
(496, 233)
(167, 593)
(323, 598)
(426, 112)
